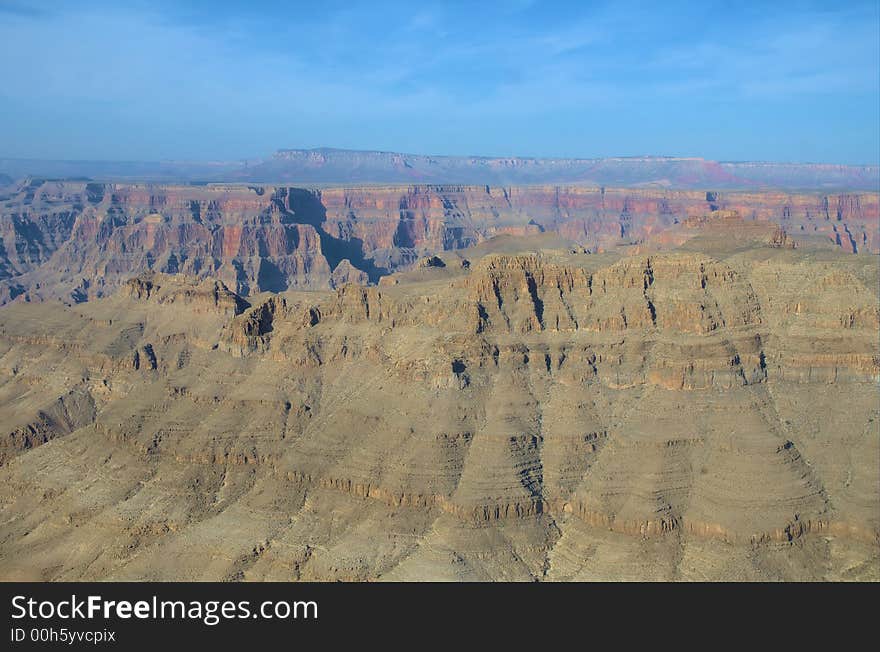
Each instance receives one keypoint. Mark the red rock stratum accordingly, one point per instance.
(75, 241)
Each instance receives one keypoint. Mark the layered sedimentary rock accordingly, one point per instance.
(509, 411)
(78, 240)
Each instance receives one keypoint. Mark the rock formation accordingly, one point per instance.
(695, 407)
(79, 240)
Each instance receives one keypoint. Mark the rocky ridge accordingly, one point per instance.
(77, 241)
(705, 410)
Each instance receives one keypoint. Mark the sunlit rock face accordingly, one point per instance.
(78, 240)
(701, 405)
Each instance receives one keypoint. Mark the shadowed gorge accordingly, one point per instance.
(80, 240)
(305, 207)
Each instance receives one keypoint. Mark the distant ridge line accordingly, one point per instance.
(333, 166)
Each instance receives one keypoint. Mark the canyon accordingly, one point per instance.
(394, 292)
(435, 381)
(698, 403)
(79, 240)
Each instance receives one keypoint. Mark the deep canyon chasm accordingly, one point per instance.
(79, 240)
(438, 382)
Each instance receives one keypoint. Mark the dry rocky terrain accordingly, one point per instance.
(77, 241)
(694, 400)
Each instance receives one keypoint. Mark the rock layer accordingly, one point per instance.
(705, 412)
(78, 241)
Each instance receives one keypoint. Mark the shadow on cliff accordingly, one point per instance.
(305, 207)
(270, 277)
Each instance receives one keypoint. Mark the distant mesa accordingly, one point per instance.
(328, 166)
(80, 240)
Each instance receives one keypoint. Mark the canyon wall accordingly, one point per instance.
(702, 413)
(80, 240)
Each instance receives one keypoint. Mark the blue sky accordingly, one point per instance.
(220, 80)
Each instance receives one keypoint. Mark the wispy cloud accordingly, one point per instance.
(206, 77)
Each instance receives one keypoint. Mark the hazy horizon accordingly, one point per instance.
(258, 157)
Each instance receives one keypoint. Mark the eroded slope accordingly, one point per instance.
(699, 413)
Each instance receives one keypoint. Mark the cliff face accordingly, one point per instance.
(81, 240)
(706, 412)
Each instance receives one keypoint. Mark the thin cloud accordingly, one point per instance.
(552, 79)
